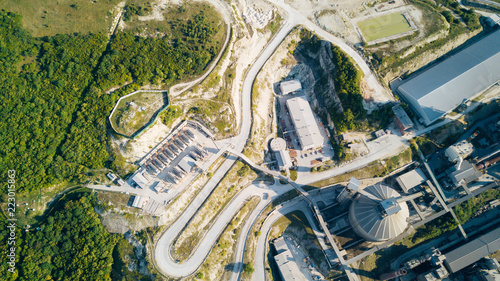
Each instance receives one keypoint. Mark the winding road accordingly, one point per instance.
(163, 259)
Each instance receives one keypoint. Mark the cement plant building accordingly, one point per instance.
(305, 123)
(459, 78)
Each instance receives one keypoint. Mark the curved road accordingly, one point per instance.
(164, 261)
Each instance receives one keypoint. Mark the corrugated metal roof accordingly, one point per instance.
(466, 174)
(290, 86)
(402, 116)
(305, 123)
(140, 179)
(286, 263)
(473, 251)
(138, 201)
(284, 160)
(446, 85)
(411, 179)
(187, 163)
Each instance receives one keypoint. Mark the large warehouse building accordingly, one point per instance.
(305, 123)
(440, 89)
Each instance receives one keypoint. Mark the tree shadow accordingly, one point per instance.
(233, 267)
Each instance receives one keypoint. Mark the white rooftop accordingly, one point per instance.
(305, 123)
(439, 89)
(354, 184)
(290, 86)
(139, 201)
(284, 161)
(140, 179)
(411, 179)
(286, 263)
(187, 163)
(278, 144)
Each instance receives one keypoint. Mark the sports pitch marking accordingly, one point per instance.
(384, 26)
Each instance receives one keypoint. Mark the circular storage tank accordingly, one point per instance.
(380, 217)
(278, 144)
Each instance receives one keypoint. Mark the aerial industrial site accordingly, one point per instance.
(251, 140)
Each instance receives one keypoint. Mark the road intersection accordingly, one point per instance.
(163, 259)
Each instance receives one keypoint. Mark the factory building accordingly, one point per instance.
(140, 179)
(465, 174)
(288, 268)
(410, 180)
(462, 149)
(493, 20)
(305, 123)
(139, 202)
(459, 78)
(403, 121)
(473, 251)
(278, 146)
(288, 87)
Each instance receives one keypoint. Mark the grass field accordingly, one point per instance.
(129, 117)
(48, 18)
(384, 26)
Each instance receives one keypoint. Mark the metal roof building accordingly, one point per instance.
(139, 202)
(140, 179)
(284, 160)
(473, 251)
(493, 20)
(290, 87)
(411, 179)
(187, 163)
(288, 268)
(466, 174)
(305, 123)
(380, 216)
(403, 121)
(440, 89)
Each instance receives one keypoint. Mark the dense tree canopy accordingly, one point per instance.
(54, 102)
(71, 245)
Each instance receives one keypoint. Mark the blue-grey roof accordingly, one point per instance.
(473, 251)
(446, 85)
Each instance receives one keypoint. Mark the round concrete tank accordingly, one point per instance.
(378, 217)
(277, 144)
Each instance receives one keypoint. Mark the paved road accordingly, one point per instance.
(390, 145)
(294, 205)
(164, 261)
(369, 77)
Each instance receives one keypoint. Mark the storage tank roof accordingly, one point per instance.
(381, 217)
(278, 144)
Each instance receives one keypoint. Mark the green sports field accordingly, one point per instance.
(384, 26)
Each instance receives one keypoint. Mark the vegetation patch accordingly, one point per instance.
(389, 59)
(134, 113)
(468, 209)
(234, 181)
(349, 114)
(222, 254)
(384, 26)
(58, 100)
(48, 18)
(71, 243)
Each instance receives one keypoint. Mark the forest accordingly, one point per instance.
(70, 243)
(54, 101)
